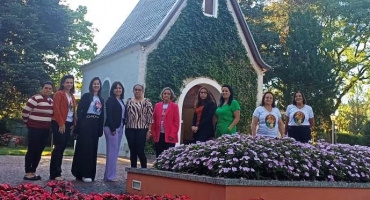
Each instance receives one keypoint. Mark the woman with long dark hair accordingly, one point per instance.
(267, 118)
(62, 124)
(299, 118)
(90, 115)
(113, 129)
(227, 113)
(202, 126)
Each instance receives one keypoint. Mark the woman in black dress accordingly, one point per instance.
(90, 119)
(202, 126)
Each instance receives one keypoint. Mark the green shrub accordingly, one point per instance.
(149, 147)
(352, 139)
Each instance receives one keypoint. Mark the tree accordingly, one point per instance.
(305, 67)
(81, 50)
(346, 36)
(265, 33)
(353, 115)
(39, 40)
(345, 28)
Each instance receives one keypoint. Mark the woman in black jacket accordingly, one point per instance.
(90, 119)
(202, 126)
(113, 129)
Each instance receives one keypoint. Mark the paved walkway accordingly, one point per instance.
(12, 172)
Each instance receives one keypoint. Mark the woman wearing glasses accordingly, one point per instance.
(166, 124)
(138, 125)
(202, 126)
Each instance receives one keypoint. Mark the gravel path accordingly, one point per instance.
(12, 172)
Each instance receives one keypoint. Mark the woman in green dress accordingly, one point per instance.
(228, 112)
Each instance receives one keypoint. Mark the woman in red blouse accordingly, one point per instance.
(202, 127)
(166, 123)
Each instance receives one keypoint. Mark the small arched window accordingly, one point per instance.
(105, 90)
(105, 93)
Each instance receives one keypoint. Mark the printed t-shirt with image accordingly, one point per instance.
(299, 116)
(267, 121)
(95, 106)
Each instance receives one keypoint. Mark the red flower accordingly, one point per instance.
(55, 190)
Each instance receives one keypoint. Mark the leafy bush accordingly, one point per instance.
(5, 138)
(149, 147)
(352, 139)
(261, 158)
(64, 190)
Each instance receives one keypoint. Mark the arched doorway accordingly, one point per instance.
(186, 104)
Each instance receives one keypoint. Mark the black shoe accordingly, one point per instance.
(33, 178)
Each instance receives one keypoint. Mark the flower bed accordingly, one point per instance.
(7, 139)
(64, 190)
(261, 158)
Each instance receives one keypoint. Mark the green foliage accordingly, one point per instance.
(346, 34)
(200, 46)
(366, 133)
(343, 27)
(81, 48)
(39, 40)
(352, 139)
(308, 70)
(149, 147)
(298, 63)
(353, 115)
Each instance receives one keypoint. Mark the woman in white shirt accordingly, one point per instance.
(299, 119)
(90, 120)
(267, 118)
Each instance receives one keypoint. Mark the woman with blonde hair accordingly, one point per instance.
(166, 122)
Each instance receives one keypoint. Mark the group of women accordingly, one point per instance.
(266, 120)
(142, 121)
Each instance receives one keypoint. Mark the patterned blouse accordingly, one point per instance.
(139, 114)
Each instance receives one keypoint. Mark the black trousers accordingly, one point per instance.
(60, 142)
(136, 139)
(86, 149)
(300, 133)
(37, 139)
(162, 145)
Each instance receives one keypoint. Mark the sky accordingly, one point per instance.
(106, 15)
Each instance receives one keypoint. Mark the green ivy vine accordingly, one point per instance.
(200, 46)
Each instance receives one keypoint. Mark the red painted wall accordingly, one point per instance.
(204, 191)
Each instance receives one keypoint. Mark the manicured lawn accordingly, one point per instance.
(21, 151)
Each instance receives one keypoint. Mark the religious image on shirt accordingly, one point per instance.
(270, 121)
(70, 106)
(299, 117)
(97, 107)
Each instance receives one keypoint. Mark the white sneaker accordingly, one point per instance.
(87, 180)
